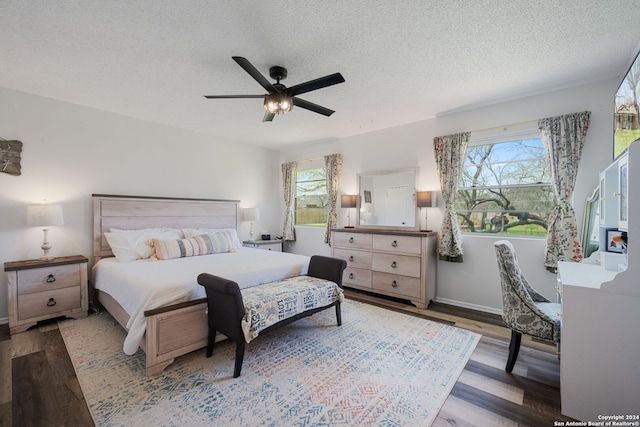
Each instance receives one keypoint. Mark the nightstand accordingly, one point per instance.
(269, 245)
(43, 289)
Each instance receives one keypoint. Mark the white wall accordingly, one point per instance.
(71, 152)
(475, 282)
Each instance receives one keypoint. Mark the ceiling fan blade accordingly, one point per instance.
(312, 107)
(253, 72)
(232, 96)
(268, 117)
(316, 84)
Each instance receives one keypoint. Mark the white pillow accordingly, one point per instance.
(230, 233)
(130, 245)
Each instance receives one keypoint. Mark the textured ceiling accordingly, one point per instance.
(403, 61)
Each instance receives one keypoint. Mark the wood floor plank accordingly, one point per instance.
(461, 413)
(31, 377)
(492, 386)
(5, 371)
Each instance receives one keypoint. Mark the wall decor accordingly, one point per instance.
(10, 157)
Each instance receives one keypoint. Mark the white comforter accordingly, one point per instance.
(143, 285)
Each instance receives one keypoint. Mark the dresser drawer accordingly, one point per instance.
(48, 278)
(35, 304)
(357, 259)
(357, 276)
(397, 244)
(396, 264)
(352, 240)
(399, 285)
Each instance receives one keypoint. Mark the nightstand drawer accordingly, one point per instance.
(48, 303)
(48, 278)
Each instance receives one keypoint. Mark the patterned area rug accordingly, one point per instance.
(379, 368)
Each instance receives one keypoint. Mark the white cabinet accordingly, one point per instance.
(599, 365)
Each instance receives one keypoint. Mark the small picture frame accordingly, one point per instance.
(611, 245)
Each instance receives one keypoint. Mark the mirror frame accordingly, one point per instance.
(591, 207)
(416, 225)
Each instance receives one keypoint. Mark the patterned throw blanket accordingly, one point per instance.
(270, 303)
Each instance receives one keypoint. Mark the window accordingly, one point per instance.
(312, 200)
(505, 187)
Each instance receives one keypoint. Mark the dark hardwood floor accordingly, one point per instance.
(38, 386)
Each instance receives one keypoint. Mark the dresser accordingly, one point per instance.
(393, 263)
(44, 289)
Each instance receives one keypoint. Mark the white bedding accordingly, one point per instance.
(144, 285)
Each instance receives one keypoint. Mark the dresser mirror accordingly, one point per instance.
(387, 199)
(590, 224)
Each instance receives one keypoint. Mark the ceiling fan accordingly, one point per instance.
(281, 99)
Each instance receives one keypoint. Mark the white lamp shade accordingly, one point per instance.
(251, 214)
(44, 215)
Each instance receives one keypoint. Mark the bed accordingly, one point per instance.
(160, 303)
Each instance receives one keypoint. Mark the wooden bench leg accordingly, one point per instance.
(239, 357)
(211, 341)
(338, 314)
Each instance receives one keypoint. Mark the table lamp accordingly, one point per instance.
(45, 216)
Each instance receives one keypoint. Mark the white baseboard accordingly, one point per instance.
(470, 306)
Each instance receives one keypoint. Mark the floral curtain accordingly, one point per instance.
(563, 137)
(450, 152)
(289, 189)
(333, 168)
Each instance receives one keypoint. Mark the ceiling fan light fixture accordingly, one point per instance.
(278, 103)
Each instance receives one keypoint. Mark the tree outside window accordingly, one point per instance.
(312, 200)
(505, 188)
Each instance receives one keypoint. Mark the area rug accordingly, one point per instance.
(380, 368)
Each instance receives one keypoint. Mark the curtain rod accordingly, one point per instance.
(506, 126)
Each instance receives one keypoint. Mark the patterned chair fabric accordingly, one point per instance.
(524, 310)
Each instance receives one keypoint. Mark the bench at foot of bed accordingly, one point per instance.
(242, 315)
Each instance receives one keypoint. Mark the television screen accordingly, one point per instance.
(626, 126)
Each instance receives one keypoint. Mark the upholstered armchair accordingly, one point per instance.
(524, 310)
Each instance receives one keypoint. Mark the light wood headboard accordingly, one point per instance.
(137, 212)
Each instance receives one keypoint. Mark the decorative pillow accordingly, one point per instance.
(130, 245)
(180, 248)
(230, 233)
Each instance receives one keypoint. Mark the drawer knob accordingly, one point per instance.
(50, 279)
(351, 258)
(393, 264)
(51, 302)
(351, 240)
(394, 244)
(350, 275)
(394, 284)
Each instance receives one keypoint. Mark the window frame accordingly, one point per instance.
(307, 166)
(505, 134)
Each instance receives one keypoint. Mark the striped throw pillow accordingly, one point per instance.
(180, 248)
